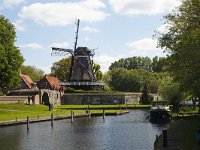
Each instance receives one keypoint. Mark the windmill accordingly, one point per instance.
(81, 73)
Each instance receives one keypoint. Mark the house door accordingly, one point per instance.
(45, 98)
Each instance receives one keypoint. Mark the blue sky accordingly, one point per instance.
(114, 28)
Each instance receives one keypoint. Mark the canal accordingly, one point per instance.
(131, 131)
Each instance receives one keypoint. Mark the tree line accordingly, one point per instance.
(153, 65)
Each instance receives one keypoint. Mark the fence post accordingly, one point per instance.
(89, 115)
(165, 144)
(52, 119)
(72, 116)
(103, 114)
(27, 123)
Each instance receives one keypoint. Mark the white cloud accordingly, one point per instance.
(9, 3)
(143, 7)
(64, 13)
(19, 25)
(163, 28)
(60, 45)
(90, 29)
(31, 46)
(145, 47)
(104, 61)
(46, 69)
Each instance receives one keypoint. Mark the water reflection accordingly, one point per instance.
(130, 131)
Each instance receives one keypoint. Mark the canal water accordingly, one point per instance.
(131, 131)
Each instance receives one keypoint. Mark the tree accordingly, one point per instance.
(132, 63)
(34, 73)
(121, 79)
(61, 69)
(146, 98)
(170, 91)
(96, 69)
(158, 64)
(10, 58)
(182, 43)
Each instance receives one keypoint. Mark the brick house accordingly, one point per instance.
(51, 90)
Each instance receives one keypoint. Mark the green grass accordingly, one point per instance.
(21, 111)
(187, 111)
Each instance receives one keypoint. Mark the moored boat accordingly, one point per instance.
(160, 112)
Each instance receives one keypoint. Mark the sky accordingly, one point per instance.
(113, 28)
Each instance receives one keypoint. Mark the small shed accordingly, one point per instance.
(26, 82)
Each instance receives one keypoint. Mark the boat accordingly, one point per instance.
(160, 112)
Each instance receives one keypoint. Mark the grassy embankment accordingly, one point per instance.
(21, 111)
(186, 111)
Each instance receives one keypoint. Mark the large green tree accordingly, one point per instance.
(146, 98)
(170, 91)
(182, 41)
(97, 71)
(158, 64)
(121, 79)
(34, 73)
(61, 68)
(10, 56)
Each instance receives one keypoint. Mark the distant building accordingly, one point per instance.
(49, 82)
(47, 91)
(50, 90)
(26, 82)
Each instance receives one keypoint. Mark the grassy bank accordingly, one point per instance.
(10, 112)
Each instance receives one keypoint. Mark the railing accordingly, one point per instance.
(82, 83)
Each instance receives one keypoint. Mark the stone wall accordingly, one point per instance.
(17, 99)
(44, 95)
(132, 98)
(52, 96)
(99, 98)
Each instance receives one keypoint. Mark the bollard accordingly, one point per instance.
(156, 138)
(156, 143)
(86, 110)
(89, 115)
(38, 117)
(27, 123)
(165, 144)
(16, 119)
(52, 119)
(198, 136)
(103, 114)
(72, 116)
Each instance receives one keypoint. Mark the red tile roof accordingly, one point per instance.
(27, 80)
(49, 82)
(54, 82)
